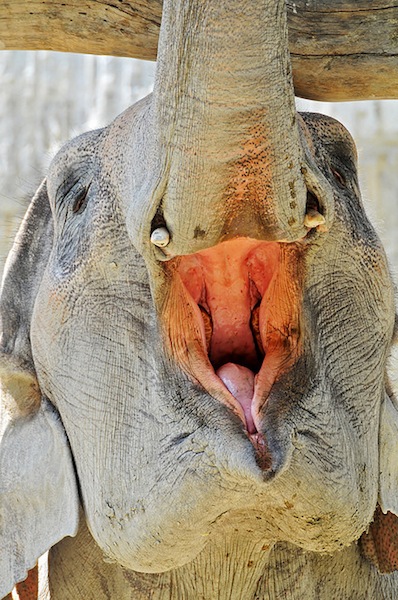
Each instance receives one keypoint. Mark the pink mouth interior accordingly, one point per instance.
(240, 381)
(228, 283)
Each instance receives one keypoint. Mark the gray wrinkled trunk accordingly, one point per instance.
(225, 124)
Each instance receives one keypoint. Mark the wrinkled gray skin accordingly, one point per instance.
(169, 483)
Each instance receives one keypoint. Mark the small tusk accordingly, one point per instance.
(160, 237)
(313, 218)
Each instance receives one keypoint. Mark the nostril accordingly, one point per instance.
(312, 203)
(313, 212)
(158, 220)
(160, 234)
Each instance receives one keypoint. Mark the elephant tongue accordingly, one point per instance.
(240, 382)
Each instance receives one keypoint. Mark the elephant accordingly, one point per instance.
(196, 323)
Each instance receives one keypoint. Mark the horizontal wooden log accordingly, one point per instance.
(113, 27)
(341, 49)
(344, 50)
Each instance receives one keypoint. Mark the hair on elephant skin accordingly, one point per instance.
(196, 322)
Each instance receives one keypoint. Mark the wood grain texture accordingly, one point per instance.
(113, 27)
(344, 50)
(341, 49)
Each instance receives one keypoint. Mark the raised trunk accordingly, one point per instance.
(225, 124)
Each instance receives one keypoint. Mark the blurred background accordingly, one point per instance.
(48, 97)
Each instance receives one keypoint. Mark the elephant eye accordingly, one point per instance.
(73, 195)
(80, 200)
(338, 177)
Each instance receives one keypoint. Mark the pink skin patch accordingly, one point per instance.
(380, 543)
(29, 588)
(231, 320)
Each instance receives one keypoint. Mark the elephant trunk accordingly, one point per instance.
(225, 125)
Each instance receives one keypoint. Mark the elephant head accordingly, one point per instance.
(196, 321)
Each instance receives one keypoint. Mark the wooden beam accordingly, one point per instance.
(344, 49)
(113, 27)
(341, 49)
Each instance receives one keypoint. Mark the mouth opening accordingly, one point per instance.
(232, 316)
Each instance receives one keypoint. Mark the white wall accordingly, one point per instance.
(45, 99)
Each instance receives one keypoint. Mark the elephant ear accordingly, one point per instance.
(38, 490)
(380, 542)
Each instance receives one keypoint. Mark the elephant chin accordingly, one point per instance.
(232, 323)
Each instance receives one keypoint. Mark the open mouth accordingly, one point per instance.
(232, 320)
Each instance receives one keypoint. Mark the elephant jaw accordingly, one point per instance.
(231, 320)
